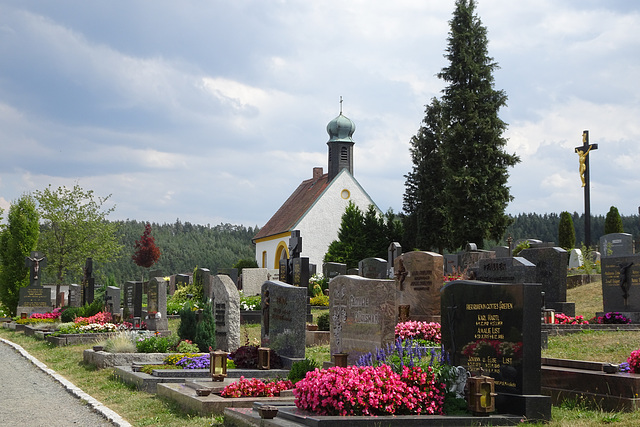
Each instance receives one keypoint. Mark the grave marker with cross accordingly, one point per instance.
(583, 153)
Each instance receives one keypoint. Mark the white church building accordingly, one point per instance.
(316, 207)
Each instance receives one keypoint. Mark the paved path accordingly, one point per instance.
(33, 395)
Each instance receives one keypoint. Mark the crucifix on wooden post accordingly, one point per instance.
(583, 153)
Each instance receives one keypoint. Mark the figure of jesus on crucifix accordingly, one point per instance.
(583, 157)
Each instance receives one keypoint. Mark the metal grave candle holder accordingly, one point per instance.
(218, 365)
(481, 395)
(264, 358)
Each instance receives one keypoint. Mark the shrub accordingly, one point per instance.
(69, 314)
(299, 369)
(205, 336)
(122, 342)
(188, 322)
(152, 344)
(370, 391)
(320, 300)
(250, 302)
(323, 322)
(255, 388)
(186, 346)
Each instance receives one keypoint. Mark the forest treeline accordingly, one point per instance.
(545, 227)
(183, 246)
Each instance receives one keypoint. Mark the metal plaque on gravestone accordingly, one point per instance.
(34, 296)
(74, 296)
(284, 309)
(506, 270)
(363, 315)
(551, 271)
(418, 281)
(333, 269)
(621, 283)
(232, 273)
(226, 301)
(616, 244)
(36, 262)
(300, 274)
(283, 272)
(496, 327)
(112, 300)
(373, 268)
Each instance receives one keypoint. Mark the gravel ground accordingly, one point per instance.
(34, 395)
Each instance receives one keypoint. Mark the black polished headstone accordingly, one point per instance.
(496, 327)
(373, 268)
(300, 274)
(620, 278)
(333, 269)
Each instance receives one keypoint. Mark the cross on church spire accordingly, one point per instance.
(340, 104)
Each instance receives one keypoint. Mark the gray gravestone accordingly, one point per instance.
(393, 251)
(575, 258)
(157, 302)
(616, 244)
(470, 257)
(75, 297)
(506, 270)
(252, 280)
(551, 272)
(283, 326)
(333, 269)
(112, 300)
(363, 315)
(202, 278)
(621, 285)
(450, 263)
(373, 268)
(495, 327)
(501, 251)
(226, 311)
(418, 279)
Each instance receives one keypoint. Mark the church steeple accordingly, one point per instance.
(340, 144)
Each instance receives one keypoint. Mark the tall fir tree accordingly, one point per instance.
(17, 239)
(426, 225)
(613, 222)
(469, 142)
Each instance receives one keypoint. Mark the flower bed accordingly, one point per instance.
(429, 331)
(370, 390)
(254, 387)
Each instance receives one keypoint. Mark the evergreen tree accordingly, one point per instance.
(468, 139)
(426, 225)
(566, 232)
(147, 253)
(350, 246)
(17, 239)
(205, 336)
(613, 222)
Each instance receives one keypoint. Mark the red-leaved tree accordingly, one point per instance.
(147, 253)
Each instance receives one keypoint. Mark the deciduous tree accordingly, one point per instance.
(17, 239)
(146, 252)
(75, 228)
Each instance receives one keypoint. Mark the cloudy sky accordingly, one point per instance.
(215, 111)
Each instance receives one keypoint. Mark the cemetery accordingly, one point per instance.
(433, 335)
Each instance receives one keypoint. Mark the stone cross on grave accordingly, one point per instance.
(295, 249)
(36, 262)
(583, 153)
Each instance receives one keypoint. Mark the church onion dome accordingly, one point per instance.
(341, 129)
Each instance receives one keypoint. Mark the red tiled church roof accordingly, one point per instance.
(295, 206)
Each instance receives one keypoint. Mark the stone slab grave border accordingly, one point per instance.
(289, 415)
(185, 395)
(571, 379)
(558, 329)
(149, 382)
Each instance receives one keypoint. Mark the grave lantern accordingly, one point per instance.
(218, 365)
(481, 394)
(264, 358)
(340, 359)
